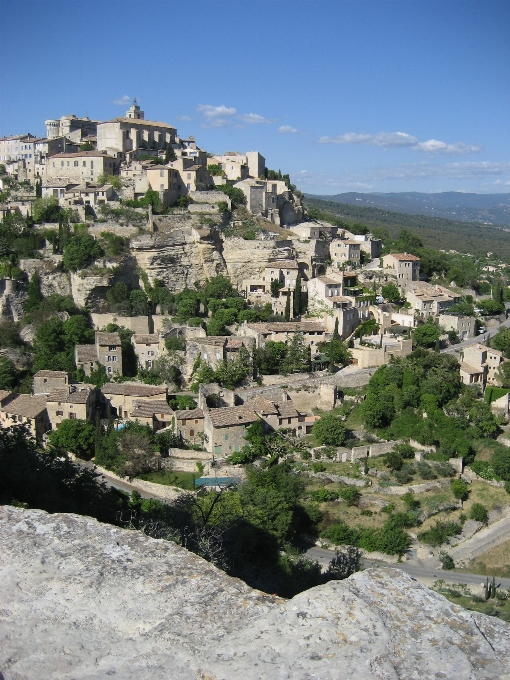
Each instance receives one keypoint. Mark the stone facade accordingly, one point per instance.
(225, 429)
(71, 402)
(46, 381)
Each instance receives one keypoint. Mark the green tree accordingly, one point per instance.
(391, 293)
(298, 296)
(38, 189)
(46, 209)
(394, 460)
(80, 251)
(500, 462)
(34, 295)
(138, 301)
(329, 430)
(76, 436)
(459, 489)
(427, 334)
(269, 359)
(169, 153)
(276, 286)
(8, 374)
(286, 314)
(113, 180)
(479, 513)
(297, 358)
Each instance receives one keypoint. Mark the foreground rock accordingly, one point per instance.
(83, 600)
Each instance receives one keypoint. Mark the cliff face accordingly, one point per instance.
(82, 600)
(246, 259)
(180, 257)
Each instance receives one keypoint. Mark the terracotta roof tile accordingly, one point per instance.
(104, 339)
(25, 405)
(133, 389)
(190, 414)
(146, 339)
(232, 415)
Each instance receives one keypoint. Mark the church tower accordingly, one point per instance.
(135, 112)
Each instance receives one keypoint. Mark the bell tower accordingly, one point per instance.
(135, 112)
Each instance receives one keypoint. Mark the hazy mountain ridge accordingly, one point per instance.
(485, 208)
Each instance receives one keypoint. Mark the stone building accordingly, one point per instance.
(89, 194)
(106, 351)
(46, 381)
(82, 166)
(283, 331)
(121, 396)
(71, 402)
(225, 429)
(131, 135)
(464, 326)
(27, 410)
(152, 412)
(147, 348)
(405, 265)
(189, 423)
(343, 251)
(375, 351)
(479, 359)
(430, 300)
(58, 187)
(281, 415)
(76, 129)
(180, 177)
(338, 296)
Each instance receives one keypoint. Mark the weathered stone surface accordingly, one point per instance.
(247, 259)
(180, 257)
(83, 600)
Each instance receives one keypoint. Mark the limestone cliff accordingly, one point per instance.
(89, 287)
(84, 600)
(246, 259)
(180, 256)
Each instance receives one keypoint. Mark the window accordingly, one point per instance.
(84, 164)
(72, 416)
(189, 175)
(91, 164)
(60, 413)
(161, 187)
(114, 358)
(76, 163)
(161, 173)
(191, 433)
(226, 437)
(112, 348)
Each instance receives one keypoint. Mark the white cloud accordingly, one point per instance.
(216, 111)
(183, 118)
(253, 119)
(122, 101)
(287, 128)
(384, 139)
(388, 140)
(217, 123)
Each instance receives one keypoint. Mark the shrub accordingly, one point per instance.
(350, 494)
(342, 534)
(501, 463)
(446, 560)
(405, 474)
(324, 495)
(479, 513)
(440, 532)
(329, 430)
(444, 469)
(318, 467)
(394, 460)
(410, 501)
(483, 469)
(388, 509)
(405, 450)
(425, 471)
(459, 489)
(366, 512)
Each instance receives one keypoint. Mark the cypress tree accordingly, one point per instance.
(33, 292)
(38, 189)
(169, 153)
(336, 334)
(297, 296)
(286, 315)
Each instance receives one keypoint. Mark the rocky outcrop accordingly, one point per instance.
(247, 259)
(89, 288)
(180, 256)
(84, 600)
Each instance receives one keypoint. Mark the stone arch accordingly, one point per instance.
(321, 270)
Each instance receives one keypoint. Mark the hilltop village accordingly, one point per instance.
(170, 311)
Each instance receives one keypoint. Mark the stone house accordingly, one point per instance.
(147, 348)
(46, 381)
(480, 359)
(71, 402)
(386, 317)
(214, 349)
(225, 429)
(106, 351)
(262, 197)
(307, 230)
(406, 266)
(153, 412)
(120, 396)
(283, 331)
(189, 423)
(343, 251)
(374, 354)
(89, 194)
(233, 164)
(82, 166)
(57, 187)
(281, 415)
(28, 410)
(428, 300)
(336, 297)
(465, 326)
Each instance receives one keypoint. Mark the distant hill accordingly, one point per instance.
(435, 232)
(454, 205)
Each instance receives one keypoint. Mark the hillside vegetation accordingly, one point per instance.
(435, 232)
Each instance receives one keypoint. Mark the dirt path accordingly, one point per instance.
(484, 540)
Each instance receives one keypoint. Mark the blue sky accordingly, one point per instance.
(344, 95)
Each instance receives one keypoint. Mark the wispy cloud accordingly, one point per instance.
(122, 101)
(222, 116)
(284, 129)
(427, 170)
(391, 140)
(183, 118)
(253, 119)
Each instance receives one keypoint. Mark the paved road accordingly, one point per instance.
(421, 570)
(494, 330)
(115, 483)
(485, 539)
